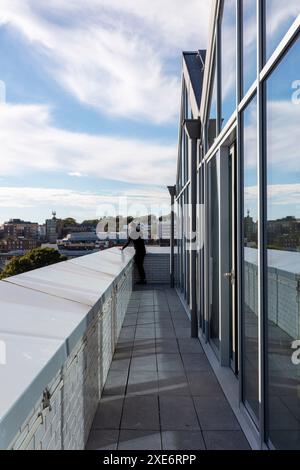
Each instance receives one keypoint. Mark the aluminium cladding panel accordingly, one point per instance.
(37, 348)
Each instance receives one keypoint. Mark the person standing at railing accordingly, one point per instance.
(136, 237)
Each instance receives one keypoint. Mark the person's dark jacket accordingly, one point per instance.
(138, 243)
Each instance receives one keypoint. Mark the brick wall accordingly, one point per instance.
(62, 419)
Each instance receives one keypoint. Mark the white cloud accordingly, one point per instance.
(113, 55)
(282, 137)
(279, 16)
(77, 174)
(80, 204)
(30, 142)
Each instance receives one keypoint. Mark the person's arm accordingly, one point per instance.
(126, 244)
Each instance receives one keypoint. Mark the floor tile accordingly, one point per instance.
(178, 413)
(109, 412)
(182, 440)
(167, 346)
(196, 362)
(144, 363)
(143, 347)
(170, 362)
(142, 383)
(189, 345)
(225, 440)
(115, 383)
(139, 440)
(173, 383)
(204, 384)
(102, 440)
(140, 412)
(215, 414)
(164, 333)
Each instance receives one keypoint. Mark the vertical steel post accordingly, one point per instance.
(172, 191)
(193, 130)
(193, 202)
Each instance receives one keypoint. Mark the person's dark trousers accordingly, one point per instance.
(139, 261)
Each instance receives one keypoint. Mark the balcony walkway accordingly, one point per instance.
(161, 392)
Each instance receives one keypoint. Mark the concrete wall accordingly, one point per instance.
(65, 421)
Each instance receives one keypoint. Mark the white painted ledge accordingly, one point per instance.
(43, 315)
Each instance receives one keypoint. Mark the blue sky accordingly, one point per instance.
(92, 101)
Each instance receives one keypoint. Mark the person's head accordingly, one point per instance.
(134, 229)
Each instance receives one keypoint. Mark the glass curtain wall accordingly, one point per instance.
(228, 60)
(250, 260)
(283, 254)
(249, 42)
(212, 121)
(279, 18)
(214, 262)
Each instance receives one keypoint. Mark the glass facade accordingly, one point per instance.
(248, 258)
(214, 233)
(279, 19)
(283, 255)
(212, 121)
(249, 41)
(228, 60)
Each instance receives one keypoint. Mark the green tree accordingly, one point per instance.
(68, 221)
(34, 259)
(92, 222)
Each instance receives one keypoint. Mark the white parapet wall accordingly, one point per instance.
(59, 326)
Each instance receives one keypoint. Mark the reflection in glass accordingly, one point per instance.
(279, 17)
(214, 270)
(250, 271)
(212, 123)
(283, 238)
(228, 53)
(249, 44)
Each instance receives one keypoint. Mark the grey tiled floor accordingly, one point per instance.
(161, 392)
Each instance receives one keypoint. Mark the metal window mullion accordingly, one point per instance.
(239, 50)
(218, 66)
(206, 252)
(239, 198)
(261, 155)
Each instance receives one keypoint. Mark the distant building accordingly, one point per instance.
(18, 244)
(42, 232)
(15, 228)
(250, 231)
(52, 229)
(76, 228)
